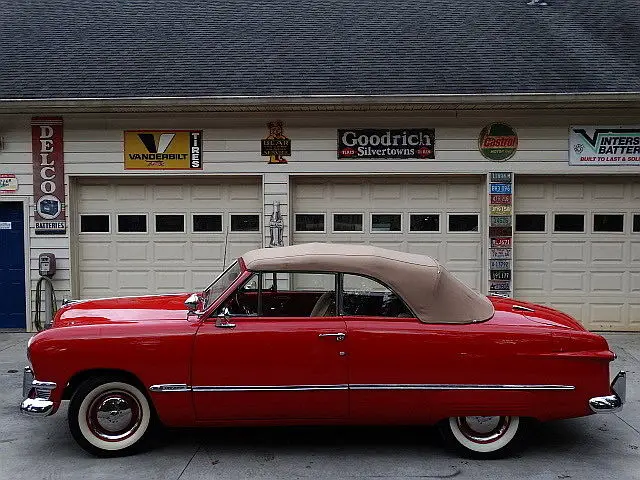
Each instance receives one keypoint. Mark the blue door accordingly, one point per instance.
(12, 306)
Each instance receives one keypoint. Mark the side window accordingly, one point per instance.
(363, 296)
(293, 294)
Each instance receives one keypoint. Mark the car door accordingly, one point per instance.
(250, 365)
(392, 355)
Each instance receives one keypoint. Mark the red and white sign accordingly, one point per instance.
(8, 183)
(48, 175)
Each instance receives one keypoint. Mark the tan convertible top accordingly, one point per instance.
(432, 293)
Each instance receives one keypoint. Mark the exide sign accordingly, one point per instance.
(403, 143)
(48, 175)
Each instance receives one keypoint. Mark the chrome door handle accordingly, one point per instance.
(339, 336)
(223, 323)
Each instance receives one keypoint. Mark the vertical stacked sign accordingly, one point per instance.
(500, 233)
(48, 176)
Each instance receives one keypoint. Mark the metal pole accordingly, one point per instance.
(48, 306)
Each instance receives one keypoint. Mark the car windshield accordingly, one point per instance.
(220, 284)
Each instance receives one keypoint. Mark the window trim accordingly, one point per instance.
(184, 223)
(80, 215)
(245, 232)
(593, 223)
(333, 223)
(531, 232)
(584, 226)
(423, 232)
(372, 231)
(324, 222)
(145, 214)
(464, 232)
(209, 232)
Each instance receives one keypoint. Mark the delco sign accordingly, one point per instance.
(404, 143)
(48, 176)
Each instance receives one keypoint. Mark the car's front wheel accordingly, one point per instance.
(109, 416)
(484, 436)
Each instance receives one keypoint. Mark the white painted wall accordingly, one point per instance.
(94, 146)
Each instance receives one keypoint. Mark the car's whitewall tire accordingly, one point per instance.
(483, 436)
(109, 417)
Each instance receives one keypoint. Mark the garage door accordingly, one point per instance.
(577, 247)
(155, 236)
(439, 217)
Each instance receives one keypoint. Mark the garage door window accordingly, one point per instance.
(206, 223)
(610, 223)
(386, 222)
(94, 224)
(568, 222)
(424, 222)
(169, 223)
(530, 222)
(348, 222)
(132, 223)
(245, 223)
(636, 223)
(310, 222)
(463, 223)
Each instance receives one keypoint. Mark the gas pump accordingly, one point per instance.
(47, 269)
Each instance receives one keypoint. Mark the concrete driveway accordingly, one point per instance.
(596, 447)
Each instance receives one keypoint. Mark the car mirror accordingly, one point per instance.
(192, 303)
(252, 285)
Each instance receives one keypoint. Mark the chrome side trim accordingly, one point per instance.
(180, 387)
(457, 387)
(270, 388)
(612, 403)
(170, 387)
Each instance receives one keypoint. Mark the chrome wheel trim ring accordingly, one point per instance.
(484, 441)
(481, 429)
(114, 415)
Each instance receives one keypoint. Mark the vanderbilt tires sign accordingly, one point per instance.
(163, 150)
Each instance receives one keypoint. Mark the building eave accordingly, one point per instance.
(320, 102)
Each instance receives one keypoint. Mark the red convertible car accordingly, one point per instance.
(319, 334)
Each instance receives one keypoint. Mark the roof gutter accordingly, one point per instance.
(320, 102)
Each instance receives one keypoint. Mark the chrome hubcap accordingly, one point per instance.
(114, 413)
(114, 416)
(483, 429)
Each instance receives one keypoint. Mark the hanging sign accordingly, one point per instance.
(48, 176)
(604, 145)
(163, 150)
(498, 142)
(404, 143)
(276, 145)
(8, 183)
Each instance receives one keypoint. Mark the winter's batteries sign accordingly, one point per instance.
(603, 145)
(403, 143)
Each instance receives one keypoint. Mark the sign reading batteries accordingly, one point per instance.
(163, 150)
(500, 232)
(48, 176)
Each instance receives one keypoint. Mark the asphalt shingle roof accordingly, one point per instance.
(111, 48)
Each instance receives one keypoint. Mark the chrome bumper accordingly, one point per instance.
(612, 403)
(36, 395)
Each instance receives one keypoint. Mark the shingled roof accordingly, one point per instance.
(115, 48)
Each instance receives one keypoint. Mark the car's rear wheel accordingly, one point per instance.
(484, 436)
(110, 417)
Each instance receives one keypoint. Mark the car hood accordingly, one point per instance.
(123, 310)
(532, 312)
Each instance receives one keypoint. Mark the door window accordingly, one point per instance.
(364, 296)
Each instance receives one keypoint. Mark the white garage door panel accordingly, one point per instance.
(594, 276)
(116, 263)
(461, 253)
